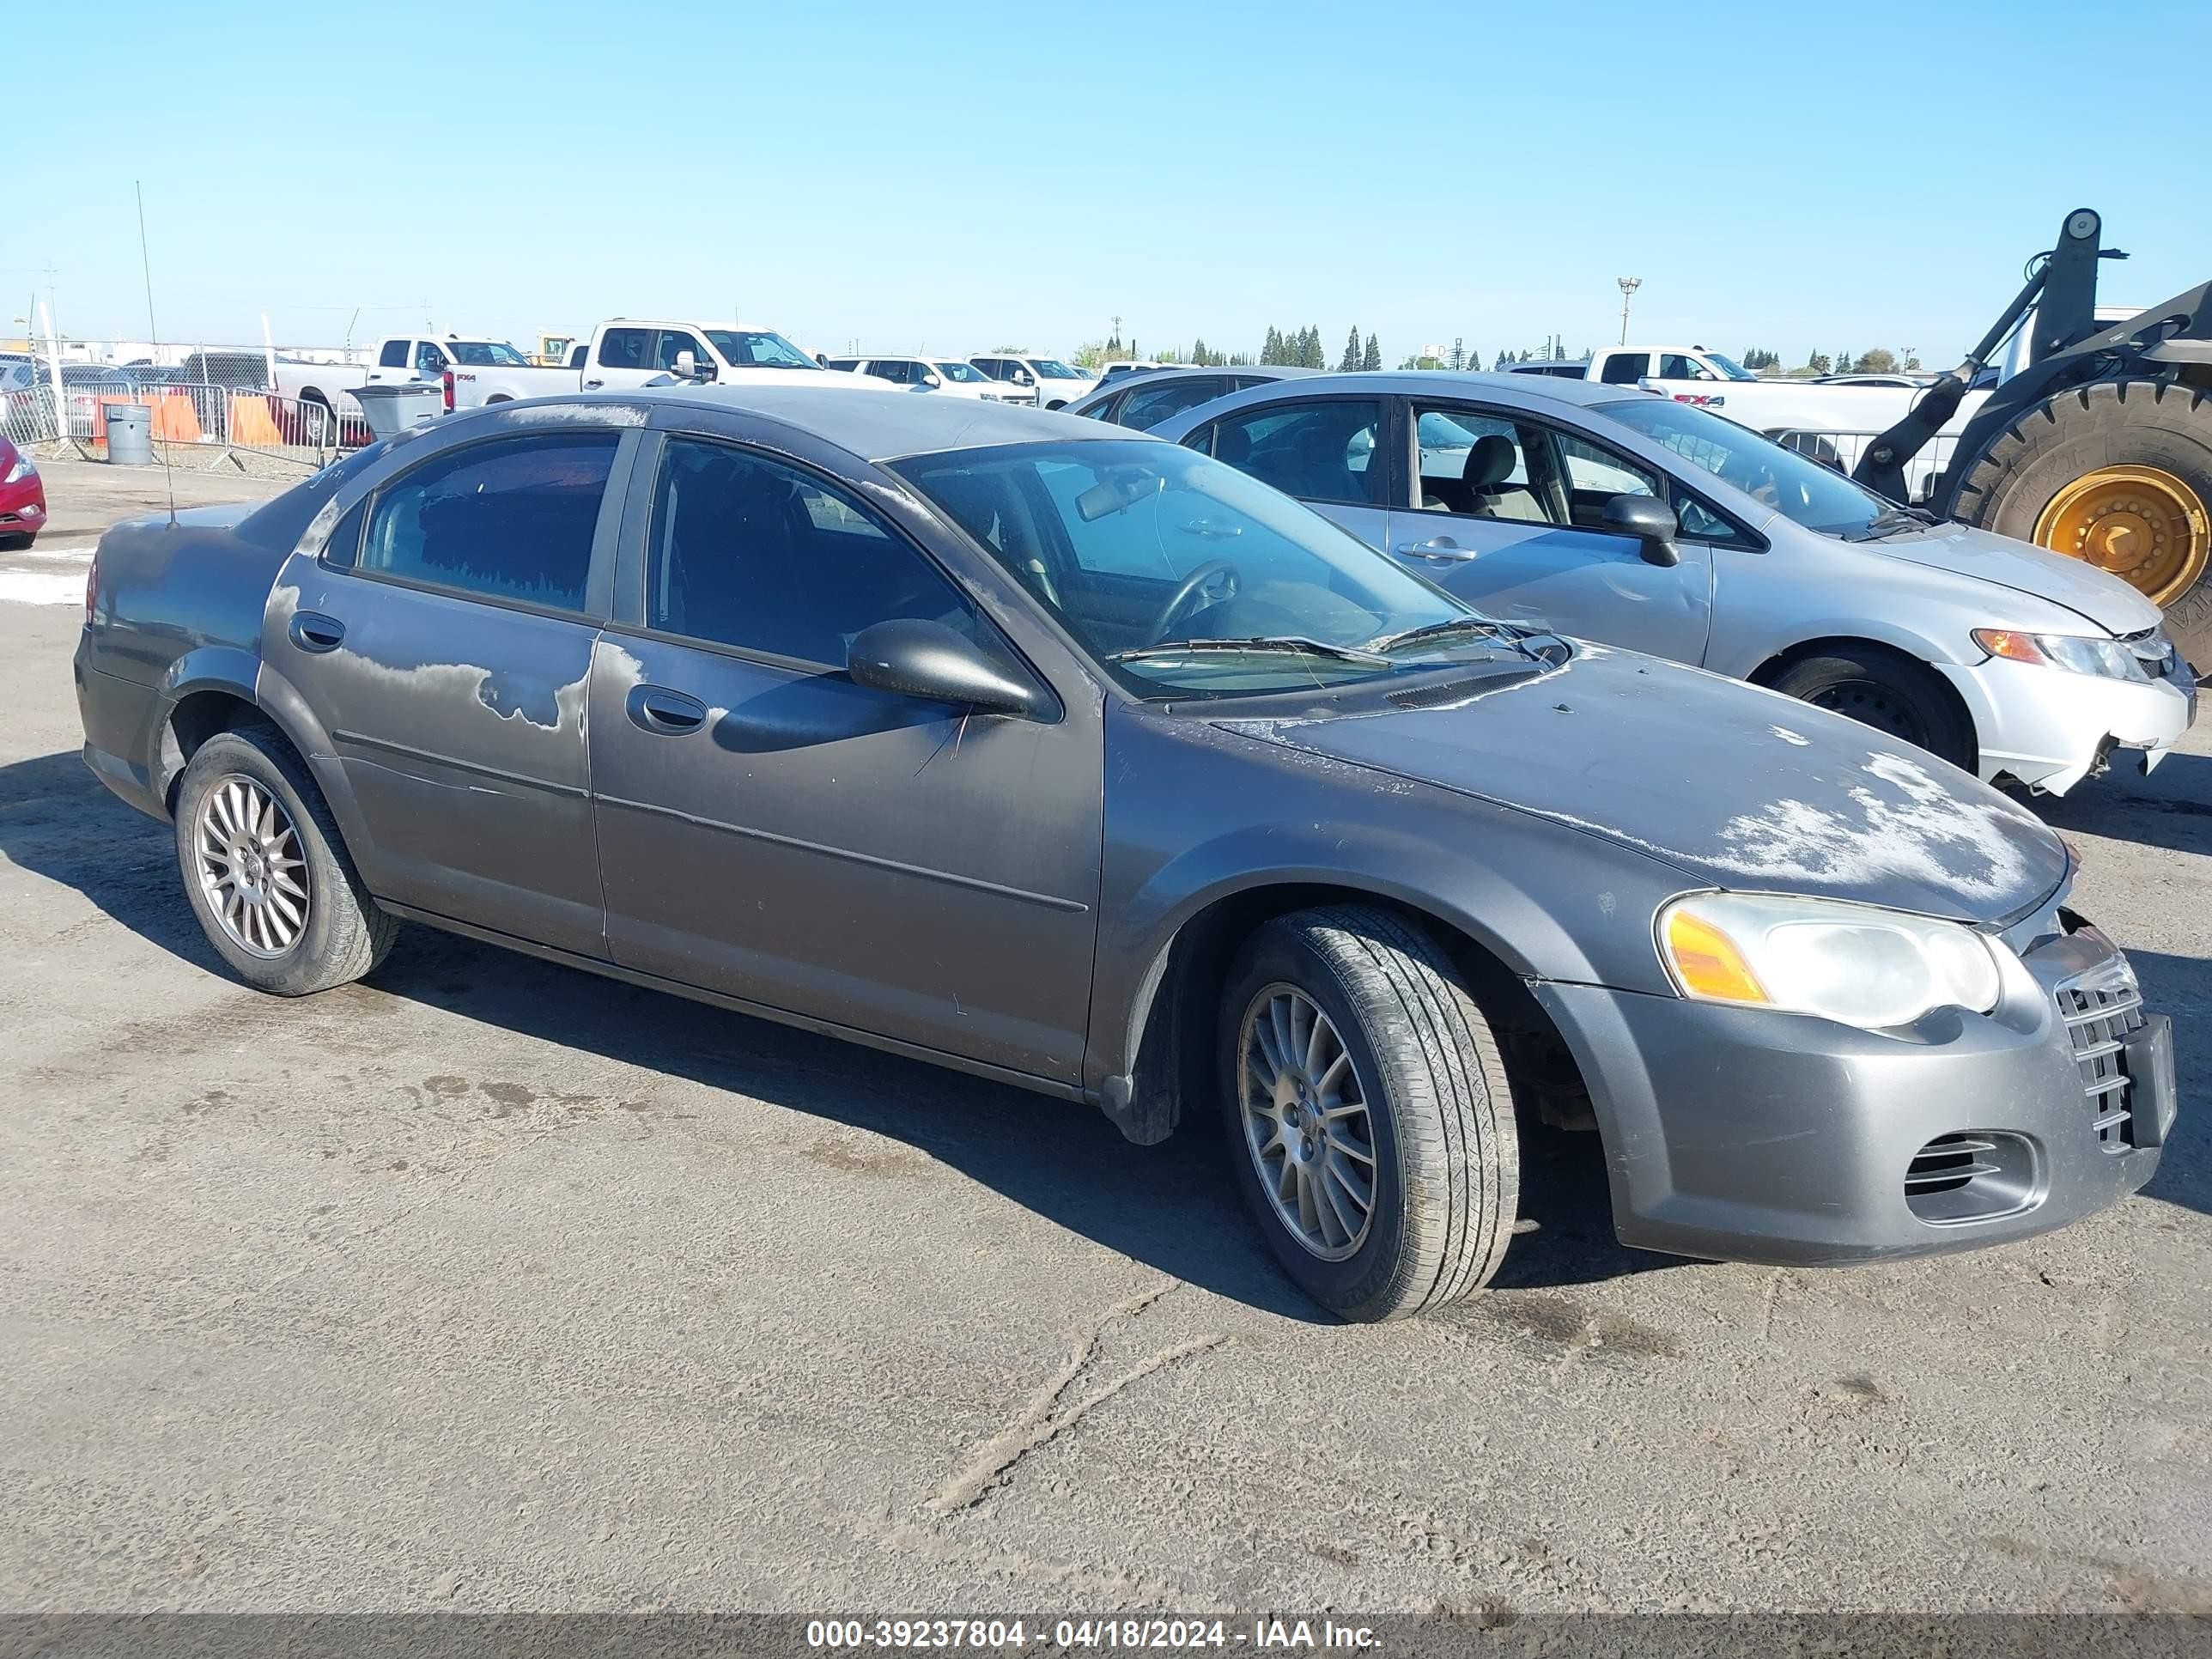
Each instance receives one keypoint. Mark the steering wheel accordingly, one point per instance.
(1199, 580)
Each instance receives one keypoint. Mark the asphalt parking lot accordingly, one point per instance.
(486, 1284)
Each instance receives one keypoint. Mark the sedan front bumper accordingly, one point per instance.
(2050, 728)
(1743, 1134)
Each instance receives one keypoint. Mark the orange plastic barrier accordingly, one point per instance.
(175, 421)
(252, 423)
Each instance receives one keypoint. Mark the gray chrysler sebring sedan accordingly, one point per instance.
(1076, 759)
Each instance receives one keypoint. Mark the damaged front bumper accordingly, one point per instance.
(1743, 1134)
(2049, 729)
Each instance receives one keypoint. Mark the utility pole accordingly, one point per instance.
(1628, 287)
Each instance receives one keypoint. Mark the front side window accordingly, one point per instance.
(757, 348)
(897, 370)
(1675, 365)
(1322, 450)
(1185, 577)
(487, 354)
(625, 348)
(1147, 406)
(512, 519)
(997, 367)
(747, 552)
(1476, 464)
(1794, 485)
(394, 354)
(675, 340)
(1625, 367)
(428, 360)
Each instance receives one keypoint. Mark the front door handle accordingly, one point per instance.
(594, 385)
(668, 714)
(1438, 550)
(312, 631)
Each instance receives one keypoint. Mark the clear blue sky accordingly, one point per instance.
(957, 176)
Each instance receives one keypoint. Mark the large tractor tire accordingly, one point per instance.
(2118, 473)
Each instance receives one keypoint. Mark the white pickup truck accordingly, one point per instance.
(485, 371)
(626, 351)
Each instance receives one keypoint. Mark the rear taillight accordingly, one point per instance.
(446, 381)
(91, 589)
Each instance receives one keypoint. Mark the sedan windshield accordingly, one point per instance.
(963, 372)
(1185, 578)
(1799, 489)
(748, 347)
(486, 354)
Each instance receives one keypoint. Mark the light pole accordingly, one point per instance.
(1628, 287)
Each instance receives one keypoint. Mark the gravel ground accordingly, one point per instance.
(489, 1285)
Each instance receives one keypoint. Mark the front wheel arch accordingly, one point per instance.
(1168, 1043)
(1769, 674)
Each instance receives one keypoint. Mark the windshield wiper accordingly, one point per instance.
(1282, 644)
(1895, 520)
(1441, 631)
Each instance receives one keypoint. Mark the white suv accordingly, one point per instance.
(1045, 381)
(945, 375)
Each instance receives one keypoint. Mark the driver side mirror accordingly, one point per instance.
(918, 659)
(1022, 376)
(932, 381)
(1649, 521)
(690, 368)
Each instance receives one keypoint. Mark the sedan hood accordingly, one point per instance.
(1736, 786)
(2101, 597)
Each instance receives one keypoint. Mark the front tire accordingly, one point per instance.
(1369, 1115)
(1890, 692)
(266, 871)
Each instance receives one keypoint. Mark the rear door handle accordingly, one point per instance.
(1438, 550)
(594, 385)
(668, 714)
(312, 631)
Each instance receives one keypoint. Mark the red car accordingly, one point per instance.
(22, 498)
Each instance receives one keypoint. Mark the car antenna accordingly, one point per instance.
(146, 264)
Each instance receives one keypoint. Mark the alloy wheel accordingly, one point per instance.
(1307, 1126)
(252, 871)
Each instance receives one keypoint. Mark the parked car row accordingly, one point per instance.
(1126, 778)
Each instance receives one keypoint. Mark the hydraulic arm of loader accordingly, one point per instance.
(2065, 281)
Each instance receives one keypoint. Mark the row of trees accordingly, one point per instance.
(1302, 348)
(1880, 361)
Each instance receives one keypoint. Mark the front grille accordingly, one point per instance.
(2102, 1008)
(2153, 650)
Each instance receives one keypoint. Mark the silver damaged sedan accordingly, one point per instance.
(1609, 514)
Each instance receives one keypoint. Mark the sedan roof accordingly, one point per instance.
(876, 426)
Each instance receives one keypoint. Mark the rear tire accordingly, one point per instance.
(2124, 422)
(1890, 692)
(1419, 1097)
(250, 820)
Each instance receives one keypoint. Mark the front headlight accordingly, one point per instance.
(1851, 963)
(2108, 658)
(20, 470)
